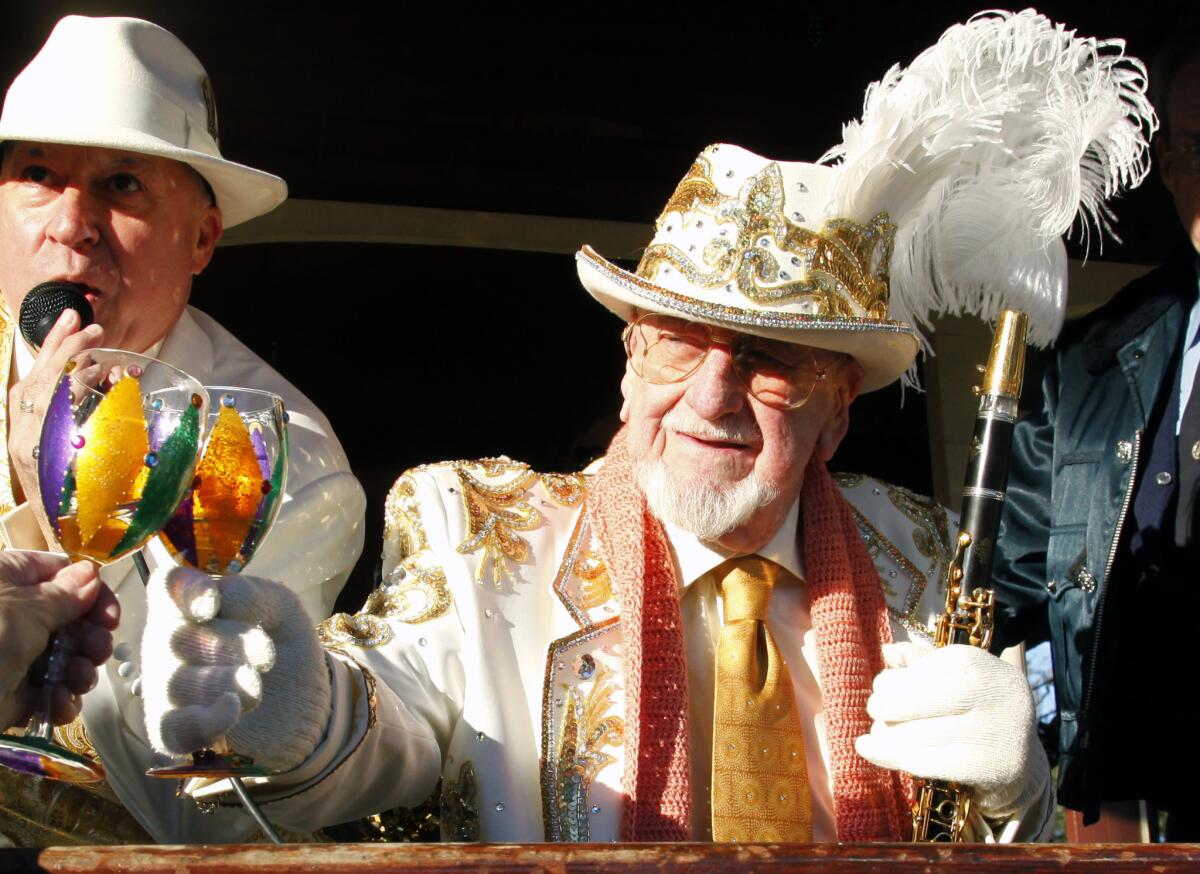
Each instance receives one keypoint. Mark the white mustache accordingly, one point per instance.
(682, 419)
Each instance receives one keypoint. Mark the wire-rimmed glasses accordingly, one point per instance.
(664, 349)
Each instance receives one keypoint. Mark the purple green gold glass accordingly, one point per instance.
(226, 514)
(116, 454)
(233, 499)
(104, 490)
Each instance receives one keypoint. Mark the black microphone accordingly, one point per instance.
(46, 302)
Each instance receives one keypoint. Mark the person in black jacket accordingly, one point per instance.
(1097, 549)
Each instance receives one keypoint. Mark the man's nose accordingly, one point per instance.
(715, 389)
(74, 221)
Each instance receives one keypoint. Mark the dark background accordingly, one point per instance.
(418, 353)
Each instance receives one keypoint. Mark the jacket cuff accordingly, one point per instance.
(352, 715)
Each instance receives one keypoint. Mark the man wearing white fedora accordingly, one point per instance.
(112, 178)
(705, 636)
(566, 651)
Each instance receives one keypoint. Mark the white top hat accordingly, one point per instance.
(747, 243)
(950, 195)
(123, 83)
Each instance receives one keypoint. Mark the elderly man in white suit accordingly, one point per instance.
(112, 178)
(677, 644)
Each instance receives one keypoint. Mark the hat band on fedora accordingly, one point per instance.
(652, 294)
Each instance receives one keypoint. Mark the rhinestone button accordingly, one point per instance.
(1163, 478)
(1087, 580)
(1124, 451)
(585, 666)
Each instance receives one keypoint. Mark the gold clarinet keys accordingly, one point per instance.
(759, 774)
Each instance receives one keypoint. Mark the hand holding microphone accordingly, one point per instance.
(45, 303)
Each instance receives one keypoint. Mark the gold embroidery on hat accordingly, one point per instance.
(696, 187)
(841, 271)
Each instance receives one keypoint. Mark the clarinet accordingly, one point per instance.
(942, 808)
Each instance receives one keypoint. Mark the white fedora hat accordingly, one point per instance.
(747, 243)
(123, 83)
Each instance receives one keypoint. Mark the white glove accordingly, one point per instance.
(235, 657)
(958, 714)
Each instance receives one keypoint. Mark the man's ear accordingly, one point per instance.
(847, 383)
(626, 382)
(209, 228)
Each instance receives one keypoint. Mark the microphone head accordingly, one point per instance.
(45, 303)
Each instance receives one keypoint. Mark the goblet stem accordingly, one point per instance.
(139, 562)
(255, 811)
(42, 723)
(35, 754)
(239, 787)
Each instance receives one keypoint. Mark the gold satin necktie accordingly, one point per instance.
(759, 775)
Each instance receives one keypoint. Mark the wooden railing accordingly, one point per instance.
(611, 858)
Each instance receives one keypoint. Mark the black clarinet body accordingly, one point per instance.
(942, 808)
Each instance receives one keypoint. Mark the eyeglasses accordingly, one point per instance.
(1187, 155)
(663, 350)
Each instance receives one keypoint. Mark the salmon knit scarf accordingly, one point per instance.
(849, 618)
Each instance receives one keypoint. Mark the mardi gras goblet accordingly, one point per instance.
(116, 454)
(220, 524)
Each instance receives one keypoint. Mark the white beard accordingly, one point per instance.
(710, 512)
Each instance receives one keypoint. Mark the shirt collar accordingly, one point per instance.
(697, 557)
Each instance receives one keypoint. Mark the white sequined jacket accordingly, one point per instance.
(491, 658)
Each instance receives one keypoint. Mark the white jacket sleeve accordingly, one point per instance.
(398, 690)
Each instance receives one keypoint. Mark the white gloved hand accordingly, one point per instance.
(236, 657)
(958, 714)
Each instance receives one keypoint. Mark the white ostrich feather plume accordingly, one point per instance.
(984, 151)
